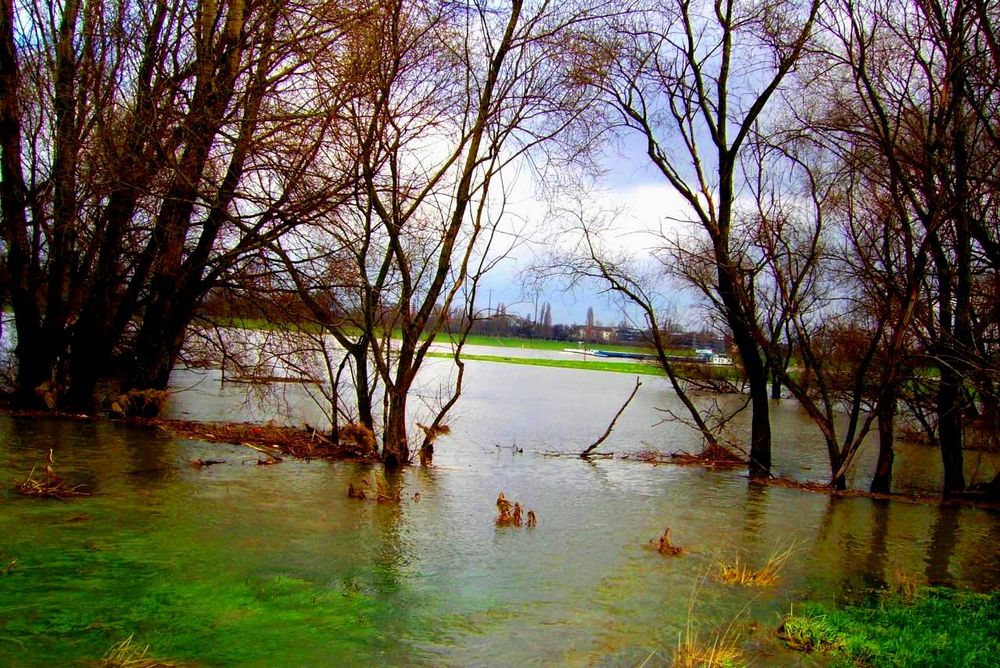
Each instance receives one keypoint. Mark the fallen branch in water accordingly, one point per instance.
(611, 425)
(202, 463)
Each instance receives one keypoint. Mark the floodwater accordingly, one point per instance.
(239, 564)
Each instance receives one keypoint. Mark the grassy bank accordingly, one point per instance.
(933, 627)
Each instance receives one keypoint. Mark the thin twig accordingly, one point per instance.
(611, 425)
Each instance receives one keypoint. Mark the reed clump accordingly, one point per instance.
(722, 651)
(741, 572)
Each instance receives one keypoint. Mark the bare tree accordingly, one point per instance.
(145, 153)
(449, 97)
(693, 81)
(911, 70)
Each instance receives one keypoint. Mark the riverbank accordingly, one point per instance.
(910, 627)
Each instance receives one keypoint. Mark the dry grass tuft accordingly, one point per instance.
(904, 586)
(740, 572)
(722, 651)
(139, 403)
(126, 655)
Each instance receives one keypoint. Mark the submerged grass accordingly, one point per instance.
(936, 627)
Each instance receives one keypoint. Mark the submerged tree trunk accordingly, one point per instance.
(740, 322)
(395, 447)
(361, 381)
(882, 480)
(950, 426)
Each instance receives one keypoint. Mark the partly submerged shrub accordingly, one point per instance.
(357, 439)
(139, 403)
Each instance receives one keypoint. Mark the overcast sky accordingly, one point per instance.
(631, 187)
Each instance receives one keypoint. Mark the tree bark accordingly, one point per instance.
(882, 480)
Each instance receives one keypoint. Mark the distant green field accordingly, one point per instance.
(541, 344)
(640, 368)
(475, 340)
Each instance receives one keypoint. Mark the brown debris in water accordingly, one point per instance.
(301, 443)
(52, 486)
(665, 547)
(712, 456)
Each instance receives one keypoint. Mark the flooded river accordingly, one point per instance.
(239, 564)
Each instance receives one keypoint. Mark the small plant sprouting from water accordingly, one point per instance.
(742, 573)
(722, 650)
(52, 486)
(665, 547)
(125, 654)
(512, 514)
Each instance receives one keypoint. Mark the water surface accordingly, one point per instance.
(239, 564)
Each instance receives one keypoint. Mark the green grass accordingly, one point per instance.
(595, 365)
(542, 344)
(939, 627)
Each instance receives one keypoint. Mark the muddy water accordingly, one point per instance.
(239, 564)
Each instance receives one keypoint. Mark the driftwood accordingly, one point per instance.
(611, 425)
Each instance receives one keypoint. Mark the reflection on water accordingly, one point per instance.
(239, 564)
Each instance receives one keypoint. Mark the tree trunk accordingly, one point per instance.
(882, 480)
(395, 448)
(361, 380)
(757, 376)
(950, 426)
